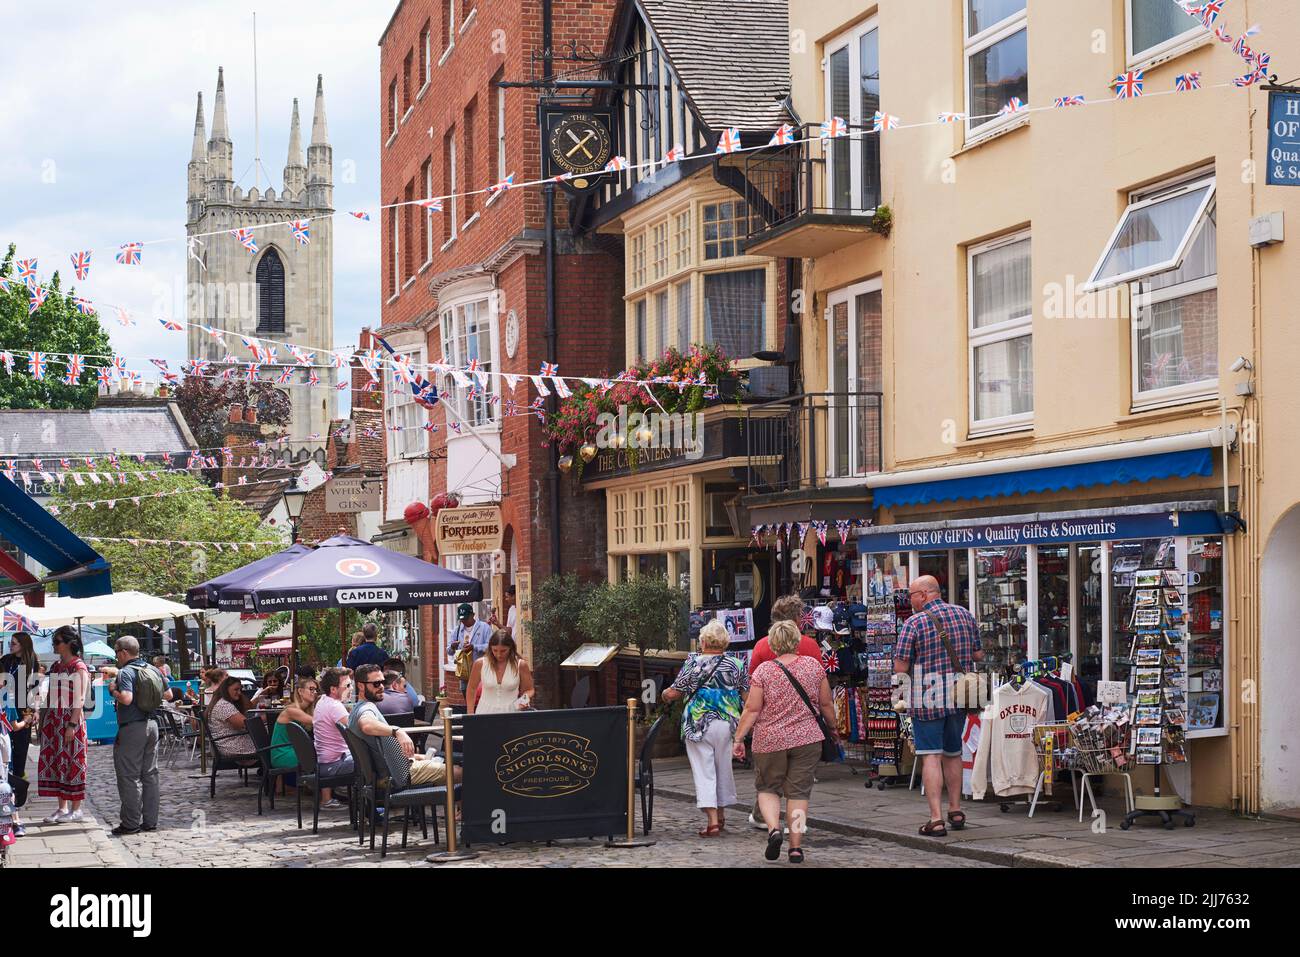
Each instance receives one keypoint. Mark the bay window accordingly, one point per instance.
(466, 337)
(1001, 335)
(997, 60)
(404, 413)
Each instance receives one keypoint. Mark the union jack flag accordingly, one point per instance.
(538, 406)
(341, 386)
(269, 354)
(167, 458)
(214, 333)
(472, 368)
(119, 365)
(1250, 79)
(124, 317)
(27, 271)
(16, 622)
(228, 454)
(72, 376)
(783, 136)
(251, 372)
(313, 378)
(113, 460)
(455, 427)
(1075, 99)
(1261, 62)
(1128, 86)
(301, 229)
(1210, 12)
(674, 155)
(429, 426)
(951, 117)
(198, 366)
(1014, 105)
(84, 306)
(81, 263)
(299, 354)
(38, 299)
(65, 463)
(340, 359)
(616, 163)
(1185, 82)
(806, 620)
(502, 186)
(729, 141)
(1222, 35)
(129, 254)
(884, 121)
(253, 346)
(246, 238)
(550, 368)
(36, 364)
(7, 358)
(5, 284)
(364, 217)
(286, 374)
(170, 325)
(38, 465)
(834, 127)
(433, 205)
(105, 374)
(160, 363)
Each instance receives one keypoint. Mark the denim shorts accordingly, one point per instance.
(940, 736)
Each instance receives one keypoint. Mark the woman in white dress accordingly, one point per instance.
(501, 682)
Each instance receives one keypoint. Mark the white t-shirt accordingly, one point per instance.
(510, 621)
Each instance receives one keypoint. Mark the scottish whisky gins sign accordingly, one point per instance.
(469, 531)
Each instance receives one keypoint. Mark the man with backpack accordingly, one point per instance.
(138, 691)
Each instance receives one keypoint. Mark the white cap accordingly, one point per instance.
(823, 618)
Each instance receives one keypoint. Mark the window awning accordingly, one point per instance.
(1120, 463)
(42, 536)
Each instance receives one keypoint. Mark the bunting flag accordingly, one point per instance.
(198, 366)
(500, 187)
(433, 205)
(246, 238)
(561, 388)
(251, 372)
(1075, 99)
(7, 358)
(253, 346)
(170, 325)
(313, 378)
(297, 353)
(820, 529)
(192, 252)
(540, 385)
(1222, 35)
(160, 363)
(1128, 86)
(81, 264)
(36, 364)
(286, 374)
(455, 427)
(27, 272)
(783, 136)
(1210, 12)
(130, 254)
(1249, 79)
(429, 426)
(1186, 82)
(83, 306)
(105, 374)
(512, 380)
(842, 527)
(73, 374)
(951, 117)
(37, 300)
(1014, 105)
(363, 216)
(729, 141)
(301, 229)
(340, 359)
(216, 334)
(615, 164)
(538, 407)
(884, 121)
(833, 128)
(341, 386)
(675, 154)
(119, 367)
(550, 369)
(5, 284)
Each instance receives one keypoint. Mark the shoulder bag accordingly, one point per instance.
(830, 746)
(966, 689)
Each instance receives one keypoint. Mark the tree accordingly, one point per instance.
(557, 605)
(644, 613)
(198, 514)
(205, 403)
(57, 327)
(319, 641)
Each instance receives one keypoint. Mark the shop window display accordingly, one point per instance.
(1053, 600)
(936, 564)
(961, 596)
(1205, 634)
(1088, 616)
(1002, 606)
(1126, 560)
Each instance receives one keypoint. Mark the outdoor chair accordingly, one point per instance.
(403, 719)
(645, 774)
(309, 775)
(270, 774)
(222, 761)
(363, 775)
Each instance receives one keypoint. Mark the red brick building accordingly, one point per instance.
(469, 283)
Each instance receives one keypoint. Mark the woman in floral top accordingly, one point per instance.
(715, 685)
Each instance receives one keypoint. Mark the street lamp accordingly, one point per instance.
(294, 500)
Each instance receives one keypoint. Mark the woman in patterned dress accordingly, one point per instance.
(61, 771)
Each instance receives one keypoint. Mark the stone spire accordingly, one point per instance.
(198, 168)
(295, 167)
(199, 154)
(320, 157)
(221, 152)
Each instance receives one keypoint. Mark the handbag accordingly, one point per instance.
(704, 680)
(966, 690)
(830, 746)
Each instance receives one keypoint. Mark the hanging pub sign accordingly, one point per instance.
(577, 142)
(545, 775)
(351, 493)
(469, 531)
(1283, 139)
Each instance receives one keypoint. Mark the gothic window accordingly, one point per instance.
(270, 293)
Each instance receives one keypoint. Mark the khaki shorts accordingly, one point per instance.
(428, 772)
(789, 772)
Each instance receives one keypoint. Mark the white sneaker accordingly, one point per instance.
(756, 824)
(58, 817)
(72, 816)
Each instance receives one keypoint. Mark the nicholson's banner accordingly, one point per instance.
(544, 775)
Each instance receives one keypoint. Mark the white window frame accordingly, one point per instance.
(501, 135)
(451, 30)
(1134, 57)
(977, 44)
(428, 214)
(1141, 200)
(428, 61)
(453, 203)
(850, 39)
(991, 335)
(453, 353)
(402, 409)
(397, 249)
(1142, 400)
(847, 295)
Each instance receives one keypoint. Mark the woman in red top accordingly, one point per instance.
(61, 771)
(789, 608)
(787, 737)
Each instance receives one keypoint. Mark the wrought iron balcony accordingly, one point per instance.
(815, 196)
(813, 440)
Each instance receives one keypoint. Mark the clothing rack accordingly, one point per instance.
(1038, 666)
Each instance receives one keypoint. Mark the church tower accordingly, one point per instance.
(283, 293)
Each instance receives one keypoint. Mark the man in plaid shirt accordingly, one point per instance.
(936, 719)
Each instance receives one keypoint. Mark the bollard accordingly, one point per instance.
(630, 840)
(451, 854)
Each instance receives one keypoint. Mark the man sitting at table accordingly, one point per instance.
(332, 756)
(395, 700)
(398, 665)
(391, 747)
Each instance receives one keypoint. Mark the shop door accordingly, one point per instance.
(854, 380)
(1087, 615)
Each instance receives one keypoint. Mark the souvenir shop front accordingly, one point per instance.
(1088, 586)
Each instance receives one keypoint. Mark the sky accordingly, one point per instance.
(97, 120)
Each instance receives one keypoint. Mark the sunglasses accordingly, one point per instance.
(373, 683)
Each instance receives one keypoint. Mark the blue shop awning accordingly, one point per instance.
(1142, 468)
(42, 536)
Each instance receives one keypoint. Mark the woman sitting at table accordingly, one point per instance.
(227, 719)
(300, 710)
(272, 689)
(212, 679)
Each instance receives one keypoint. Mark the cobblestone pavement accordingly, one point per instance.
(195, 830)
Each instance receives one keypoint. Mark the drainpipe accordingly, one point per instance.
(551, 332)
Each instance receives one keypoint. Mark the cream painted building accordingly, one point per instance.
(1031, 443)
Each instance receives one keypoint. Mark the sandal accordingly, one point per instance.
(957, 819)
(722, 821)
(774, 839)
(796, 855)
(933, 829)
(710, 830)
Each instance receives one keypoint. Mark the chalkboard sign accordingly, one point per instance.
(1283, 139)
(544, 775)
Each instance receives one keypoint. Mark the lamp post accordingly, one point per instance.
(294, 500)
